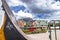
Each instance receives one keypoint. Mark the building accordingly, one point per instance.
(35, 23)
(21, 23)
(54, 24)
(42, 23)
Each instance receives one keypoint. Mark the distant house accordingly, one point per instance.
(54, 23)
(28, 22)
(21, 23)
(35, 23)
(42, 23)
(25, 22)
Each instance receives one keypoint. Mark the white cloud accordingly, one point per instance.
(1, 9)
(23, 14)
(1, 15)
(41, 5)
(56, 16)
(56, 5)
(48, 4)
(15, 3)
(0, 3)
(38, 6)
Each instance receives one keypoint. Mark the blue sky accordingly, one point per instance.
(18, 8)
(47, 9)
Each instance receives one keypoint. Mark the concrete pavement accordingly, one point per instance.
(45, 36)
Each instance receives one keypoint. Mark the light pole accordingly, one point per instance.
(59, 25)
(55, 30)
(49, 31)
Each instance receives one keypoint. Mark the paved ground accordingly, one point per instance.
(58, 34)
(41, 36)
(45, 36)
